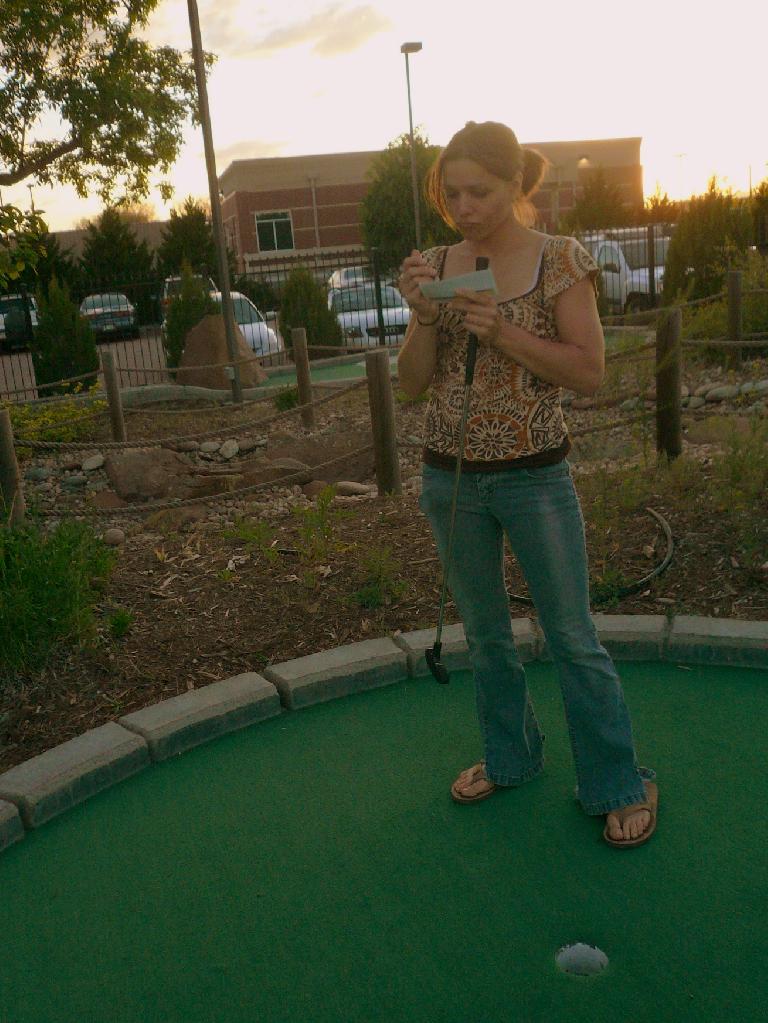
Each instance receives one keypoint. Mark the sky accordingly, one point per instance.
(296, 77)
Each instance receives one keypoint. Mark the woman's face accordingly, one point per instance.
(477, 200)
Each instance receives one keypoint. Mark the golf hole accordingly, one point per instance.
(581, 959)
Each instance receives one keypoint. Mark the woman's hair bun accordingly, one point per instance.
(534, 168)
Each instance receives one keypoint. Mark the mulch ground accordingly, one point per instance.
(208, 605)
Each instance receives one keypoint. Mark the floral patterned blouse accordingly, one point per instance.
(515, 419)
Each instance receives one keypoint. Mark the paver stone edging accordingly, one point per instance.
(61, 777)
(175, 725)
(52, 782)
(327, 675)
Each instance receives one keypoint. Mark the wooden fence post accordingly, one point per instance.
(113, 396)
(303, 376)
(13, 506)
(734, 318)
(669, 432)
(382, 405)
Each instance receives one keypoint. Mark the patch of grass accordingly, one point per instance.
(381, 584)
(48, 590)
(286, 398)
(119, 623)
(257, 535)
(317, 527)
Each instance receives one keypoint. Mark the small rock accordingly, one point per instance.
(229, 449)
(251, 443)
(581, 403)
(114, 537)
(70, 465)
(313, 488)
(723, 393)
(37, 473)
(208, 447)
(73, 482)
(761, 386)
(92, 463)
(696, 401)
(187, 445)
(346, 488)
(684, 391)
(747, 388)
(629, 404)
(702, 389)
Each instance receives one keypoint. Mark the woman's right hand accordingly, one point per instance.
(414, 272)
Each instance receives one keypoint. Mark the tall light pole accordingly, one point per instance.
(407, 48)
(213, 190)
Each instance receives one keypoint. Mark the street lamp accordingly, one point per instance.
(407, 48)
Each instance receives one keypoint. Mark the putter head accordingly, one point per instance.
(436, 666)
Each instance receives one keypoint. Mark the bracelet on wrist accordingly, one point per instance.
(427, 323)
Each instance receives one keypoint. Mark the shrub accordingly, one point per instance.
(63, 345)
(47, 592)
(711, 320)
(262, 294)
(304, 304)
(286, 397)
(67, 420)
(186, 310)
(712, 235)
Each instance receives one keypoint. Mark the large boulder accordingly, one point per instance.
(144, 474)
(206, 345)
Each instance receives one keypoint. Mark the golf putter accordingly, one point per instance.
(436, 665)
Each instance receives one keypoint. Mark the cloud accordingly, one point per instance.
(249, 150)
(334, 30)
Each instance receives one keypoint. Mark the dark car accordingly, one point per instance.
(110, 315)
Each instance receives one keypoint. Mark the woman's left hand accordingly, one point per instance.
(483, 317)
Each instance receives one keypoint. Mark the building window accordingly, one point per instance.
(274, 231)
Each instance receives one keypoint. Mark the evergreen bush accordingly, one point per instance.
(304, 304)
(185, 311)
(63, 345)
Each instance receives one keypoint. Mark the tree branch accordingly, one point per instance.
(24, 170)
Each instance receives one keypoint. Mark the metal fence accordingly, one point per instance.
(132, 319)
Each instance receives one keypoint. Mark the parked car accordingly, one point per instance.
(355, 309)
(260, 338)
(110, 315)
(14, 330)
(350, 277)
(622, 256)
(172, 288)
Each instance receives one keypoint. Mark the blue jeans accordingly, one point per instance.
(539, 511)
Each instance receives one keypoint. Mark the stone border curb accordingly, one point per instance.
(455, 652)
(49, 784)
(185, 721)
(341, 671)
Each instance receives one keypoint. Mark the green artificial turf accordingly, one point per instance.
(313, 868)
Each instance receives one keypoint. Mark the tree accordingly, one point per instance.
(387, 210)
(713, 234)
(120, 103)
(187, 308)
(187, 238)
(21, 246)
(600, 205)
(63, 345)
(55, 262)
(303, 303)
(112, 257)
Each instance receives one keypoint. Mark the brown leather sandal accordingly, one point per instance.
(478, 774)
(651, 805)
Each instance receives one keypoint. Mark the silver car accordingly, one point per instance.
(260, 338)
(355, 309)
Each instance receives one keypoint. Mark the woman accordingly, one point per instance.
(541, 332)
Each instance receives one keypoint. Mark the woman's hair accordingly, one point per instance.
(495, 147)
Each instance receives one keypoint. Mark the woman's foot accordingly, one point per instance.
(472, 785)
(635, 822)
(632, 825)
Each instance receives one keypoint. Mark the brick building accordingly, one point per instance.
(285, 205)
